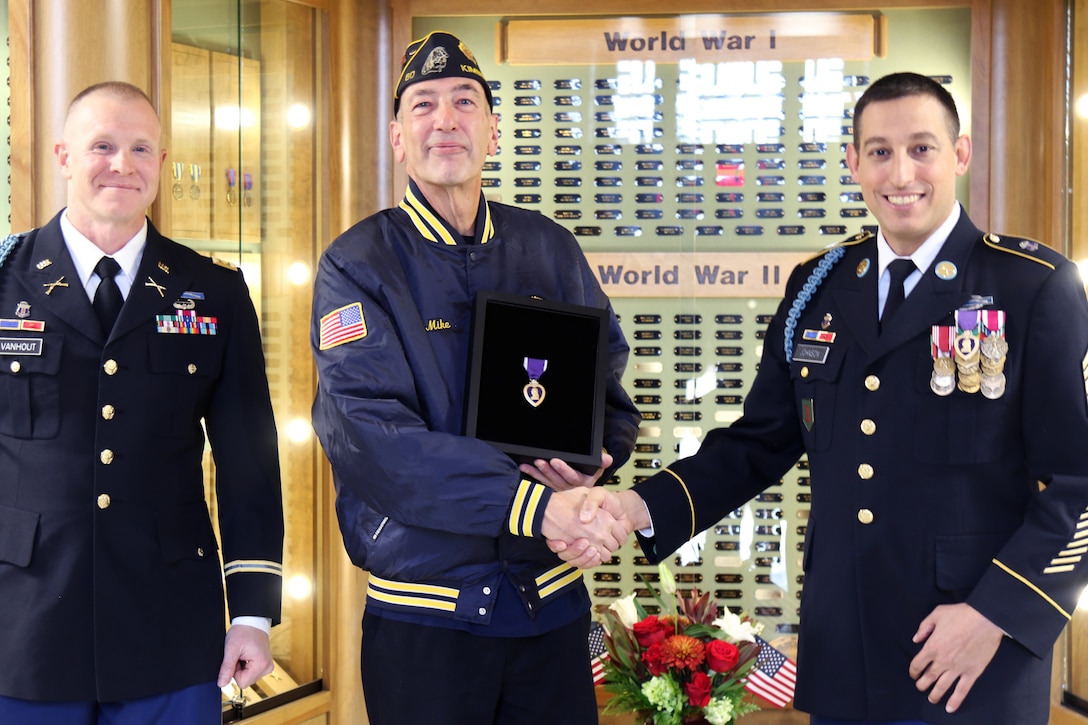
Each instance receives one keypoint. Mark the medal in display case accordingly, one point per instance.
(536, 379)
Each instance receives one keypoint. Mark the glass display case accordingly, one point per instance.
(244, 181)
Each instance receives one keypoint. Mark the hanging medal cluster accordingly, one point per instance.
(971, 354)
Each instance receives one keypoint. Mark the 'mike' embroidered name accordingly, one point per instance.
(433, 325)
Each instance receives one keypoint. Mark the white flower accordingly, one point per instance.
(718, 711)
(625, 610)
(668, 582)
(735, 629)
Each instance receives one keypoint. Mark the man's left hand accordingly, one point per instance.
(558, 475)
(959, 644)
(247, 656)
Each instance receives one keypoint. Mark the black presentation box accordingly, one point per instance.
(510, 333)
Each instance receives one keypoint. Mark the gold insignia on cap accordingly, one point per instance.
(436, 61)
(946, 270)
(468, 53)
(863, 267)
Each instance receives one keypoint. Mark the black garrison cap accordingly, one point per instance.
(437, 55)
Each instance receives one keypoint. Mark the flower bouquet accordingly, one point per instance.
(685, 665)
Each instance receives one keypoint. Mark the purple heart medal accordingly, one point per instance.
(533, 391)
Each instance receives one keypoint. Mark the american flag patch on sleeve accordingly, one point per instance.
(342, 325)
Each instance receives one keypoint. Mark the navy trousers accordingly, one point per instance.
(417, 674)
(197, 705)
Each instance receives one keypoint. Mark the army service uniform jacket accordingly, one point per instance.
(111, 586)
(918, 499)
(442, 521)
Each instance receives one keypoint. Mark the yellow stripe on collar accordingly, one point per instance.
(431, 226)
(426, 222)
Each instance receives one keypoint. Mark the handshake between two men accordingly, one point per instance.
(584, 523)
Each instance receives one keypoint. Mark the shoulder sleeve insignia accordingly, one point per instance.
(342, 325)
(1026, 248)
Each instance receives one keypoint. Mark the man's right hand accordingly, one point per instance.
(625, 508)
(586, 524)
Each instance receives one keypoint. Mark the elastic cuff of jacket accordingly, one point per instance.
(527, 513)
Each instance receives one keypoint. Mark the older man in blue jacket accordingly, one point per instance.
(463, 593)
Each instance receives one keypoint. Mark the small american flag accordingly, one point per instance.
(597, 652)
(773, 675)
(342, 325)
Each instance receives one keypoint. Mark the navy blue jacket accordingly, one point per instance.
(437, 518)
(111, 586)
(917, 500)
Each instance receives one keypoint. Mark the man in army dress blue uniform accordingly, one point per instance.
(946, 542)
(111, 586)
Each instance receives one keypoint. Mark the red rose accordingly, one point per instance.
(653, 657)
(651, 631)
(698, 690)
(721, 656)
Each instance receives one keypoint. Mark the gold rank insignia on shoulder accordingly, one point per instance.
(225, 263)
(840, 248)
(1025, 248)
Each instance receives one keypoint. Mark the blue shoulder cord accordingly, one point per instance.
(7, 245)
(814, 280)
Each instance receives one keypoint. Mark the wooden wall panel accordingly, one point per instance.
(44, 79)
(1026, 151)
(1079, 123)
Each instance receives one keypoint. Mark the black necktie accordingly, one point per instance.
(107, 298)
(899, 269)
